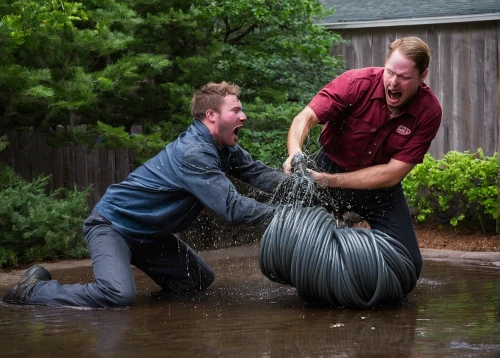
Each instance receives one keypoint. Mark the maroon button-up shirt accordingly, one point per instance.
(358, 131)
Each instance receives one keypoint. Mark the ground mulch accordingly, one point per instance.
(449, 238)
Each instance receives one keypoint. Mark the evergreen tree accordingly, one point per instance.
(58, 59)
(121, 62)
(272, 48)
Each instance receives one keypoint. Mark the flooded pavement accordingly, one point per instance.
(454, 311)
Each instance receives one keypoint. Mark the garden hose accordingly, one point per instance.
(304, 246)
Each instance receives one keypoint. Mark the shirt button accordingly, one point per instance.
(369, 152)
(374, 143)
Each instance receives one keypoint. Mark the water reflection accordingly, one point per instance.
(454, 311)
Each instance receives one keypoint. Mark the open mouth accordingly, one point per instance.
(394, 95)
(236, 131)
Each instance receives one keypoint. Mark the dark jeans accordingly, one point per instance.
(170, 262)
(384, 209)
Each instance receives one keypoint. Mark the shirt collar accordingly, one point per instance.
(203, 130)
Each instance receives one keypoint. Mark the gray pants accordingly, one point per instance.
(170, 262)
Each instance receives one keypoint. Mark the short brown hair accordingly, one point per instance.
(413, 48)
(210, 97)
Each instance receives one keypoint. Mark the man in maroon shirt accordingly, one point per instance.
(378, 124)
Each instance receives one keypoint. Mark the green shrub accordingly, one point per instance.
(36, 226)
(460, 188)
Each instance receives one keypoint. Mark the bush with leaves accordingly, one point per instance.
(36, 226)
(460, 188)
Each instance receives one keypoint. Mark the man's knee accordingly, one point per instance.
(116, 295)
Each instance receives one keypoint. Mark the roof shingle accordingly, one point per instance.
(376, 10)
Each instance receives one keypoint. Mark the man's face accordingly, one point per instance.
(401, 80)
(229, 121)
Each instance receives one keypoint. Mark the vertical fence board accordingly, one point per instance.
(460, 51)
(350, 55)
(431, 38)
(366, 48)
(94, 175)
(37, 155)
(387, 36)
(108, 176)
(379, 50)
(346, 50)
(23, 155)
(359, 48)
(476, 133)
(433, 79)
(491, 94)
(445, 89)
(122, 164)
(69, 167)
(81, 168)
(55, 167)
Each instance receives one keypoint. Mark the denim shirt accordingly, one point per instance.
(168, 192)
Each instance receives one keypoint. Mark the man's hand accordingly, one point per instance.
(287, 165)
(320, 178)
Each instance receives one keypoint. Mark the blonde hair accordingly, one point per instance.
(210, 97)
(413, 48)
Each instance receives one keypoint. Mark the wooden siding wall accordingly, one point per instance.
(30, 155)
(464, 74)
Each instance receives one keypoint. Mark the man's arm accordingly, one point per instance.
(254, 172)
(202, 177)
(378, 176)
(301, 125)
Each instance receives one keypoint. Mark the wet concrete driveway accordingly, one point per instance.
(454, 311)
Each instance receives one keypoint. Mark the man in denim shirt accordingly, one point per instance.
(135, 221)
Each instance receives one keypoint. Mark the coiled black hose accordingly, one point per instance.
(303, 246)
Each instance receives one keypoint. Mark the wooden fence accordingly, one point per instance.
(30, 155)
(464, 74)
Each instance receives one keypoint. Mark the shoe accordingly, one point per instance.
(36, 272)
(18, 293)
